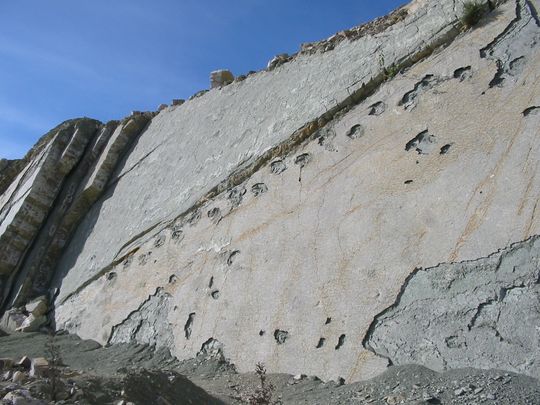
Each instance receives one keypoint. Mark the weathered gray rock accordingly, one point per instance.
(22, 397)
(220, 78)
(18, 377)
(481, 313)
(32, 323)
(39, 367)
(12, 320)
(278, 60)
(148, 325)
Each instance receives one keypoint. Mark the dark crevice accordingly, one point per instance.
(531, 110)
(281, 336)
(341, 341)
(189, 325)
(445, 149)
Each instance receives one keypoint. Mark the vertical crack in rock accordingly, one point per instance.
(189, 325)
(423, 143)
(90, 155)
(482, 313)
(508, 49)
(148, 324)
(44, 194)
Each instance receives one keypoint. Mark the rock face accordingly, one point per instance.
(278, 219)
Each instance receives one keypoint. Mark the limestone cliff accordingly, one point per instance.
(300, 215)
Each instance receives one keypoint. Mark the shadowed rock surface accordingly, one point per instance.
(142, 375)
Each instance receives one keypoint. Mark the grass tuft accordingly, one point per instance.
(472, 13)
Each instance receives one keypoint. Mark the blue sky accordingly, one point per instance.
(62, 59)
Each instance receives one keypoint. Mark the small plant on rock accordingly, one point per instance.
(263, 395)
(55, 362)
(472, 13)
(389, 72)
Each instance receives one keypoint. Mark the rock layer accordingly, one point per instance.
(62, 177)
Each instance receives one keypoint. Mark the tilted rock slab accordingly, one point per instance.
(188, 150)
(26, 203)
(80, 191)
(290, 262)
(59, 180)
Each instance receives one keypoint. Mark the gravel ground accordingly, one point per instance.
(91, 374)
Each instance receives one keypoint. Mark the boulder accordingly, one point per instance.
(37, 306)
(39, 367)
(278, 60)
(22, 397)
(6, 363)
(18, 377)
(32, 323)
(25, 362)
(12, 320)
(219, 78)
